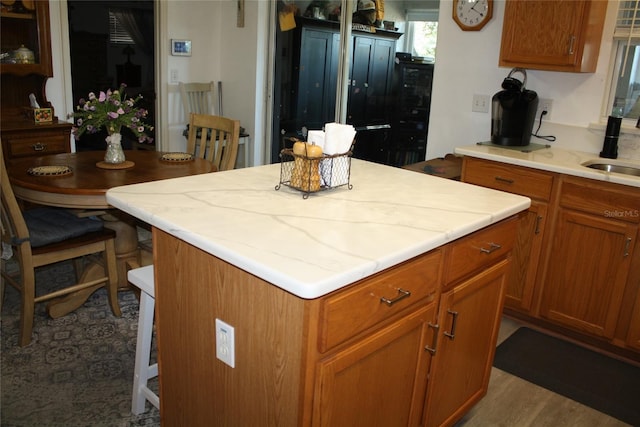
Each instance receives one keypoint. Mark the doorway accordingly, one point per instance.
(112, 43)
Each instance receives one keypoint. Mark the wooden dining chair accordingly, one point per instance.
(214, 138)
(43, 236)
(197, 98)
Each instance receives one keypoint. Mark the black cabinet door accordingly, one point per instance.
(371, 79)
(317, 78)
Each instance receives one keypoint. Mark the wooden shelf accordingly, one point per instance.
(18, 15)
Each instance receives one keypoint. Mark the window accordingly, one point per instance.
(422, 33)
(625, 94)
(117, 32)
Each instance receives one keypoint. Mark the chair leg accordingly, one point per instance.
(112, 271)
(27, 295)
(143, 351)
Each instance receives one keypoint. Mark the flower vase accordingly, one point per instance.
(114, 154)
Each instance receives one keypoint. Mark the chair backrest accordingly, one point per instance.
(14, 228)
(214, 138)
(197, 98)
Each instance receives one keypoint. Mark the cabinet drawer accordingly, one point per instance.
(378, 298)
(480, 249)
(38, 145)
(513, 179)
(603, 199)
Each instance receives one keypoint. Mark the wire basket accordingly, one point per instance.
(310, 175)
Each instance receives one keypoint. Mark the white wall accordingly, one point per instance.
(467, 64)
(196, 21)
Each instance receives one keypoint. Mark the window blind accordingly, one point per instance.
(117, 32)
(627, 27)
(427, 15)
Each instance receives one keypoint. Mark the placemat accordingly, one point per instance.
(50, 170)
(124, 165)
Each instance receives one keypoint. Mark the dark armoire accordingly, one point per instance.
(306, 72)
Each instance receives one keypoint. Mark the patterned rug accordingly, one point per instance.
(78, 369)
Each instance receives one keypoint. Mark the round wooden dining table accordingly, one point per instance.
(83, 185)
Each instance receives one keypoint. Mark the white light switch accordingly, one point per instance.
(173, 78)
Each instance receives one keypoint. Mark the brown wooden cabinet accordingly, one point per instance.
(362, 355)
(538, 185)
(552, 35)
(21, 136)
(576, 264)
(469, 319)
(590, 256)
(380, 380)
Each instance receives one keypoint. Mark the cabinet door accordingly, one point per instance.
(469, 320)
(360, 63)
(379, 381)
(371, 79)
(587, 272)
(525, 257)
(552, 35)
(318, 68)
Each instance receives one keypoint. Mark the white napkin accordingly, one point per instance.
(316, 137)
(338, 138)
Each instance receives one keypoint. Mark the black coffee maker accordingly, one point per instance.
(513, 112)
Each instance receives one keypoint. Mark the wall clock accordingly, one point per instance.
(472, 15)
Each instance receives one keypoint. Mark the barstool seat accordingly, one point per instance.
(143, 279)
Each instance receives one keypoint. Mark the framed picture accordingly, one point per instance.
(180, 47)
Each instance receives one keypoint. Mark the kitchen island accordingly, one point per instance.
(336, 301)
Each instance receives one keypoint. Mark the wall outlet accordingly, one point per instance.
(225, 343)
(544, 104)
(481, 103)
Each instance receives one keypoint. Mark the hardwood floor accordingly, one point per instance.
(514, 402)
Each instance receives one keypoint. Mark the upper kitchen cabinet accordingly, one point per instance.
(552, 35)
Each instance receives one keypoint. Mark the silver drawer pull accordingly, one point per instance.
(627, 245)
(492, 247)
(39, 146)
(401, 295)
(436, 328)
(505, 180)
(454, 315)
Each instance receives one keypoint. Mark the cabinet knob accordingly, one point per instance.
(39, 146)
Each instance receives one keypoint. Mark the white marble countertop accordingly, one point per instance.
(553, 159)
(335, 237)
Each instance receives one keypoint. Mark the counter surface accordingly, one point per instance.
(555, 160)
(315, 246)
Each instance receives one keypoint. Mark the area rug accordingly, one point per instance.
(78, 370)
(600, 382)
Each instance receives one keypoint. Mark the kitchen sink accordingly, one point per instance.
(608, 166)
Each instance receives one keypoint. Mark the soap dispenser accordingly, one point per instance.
(610, 145)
